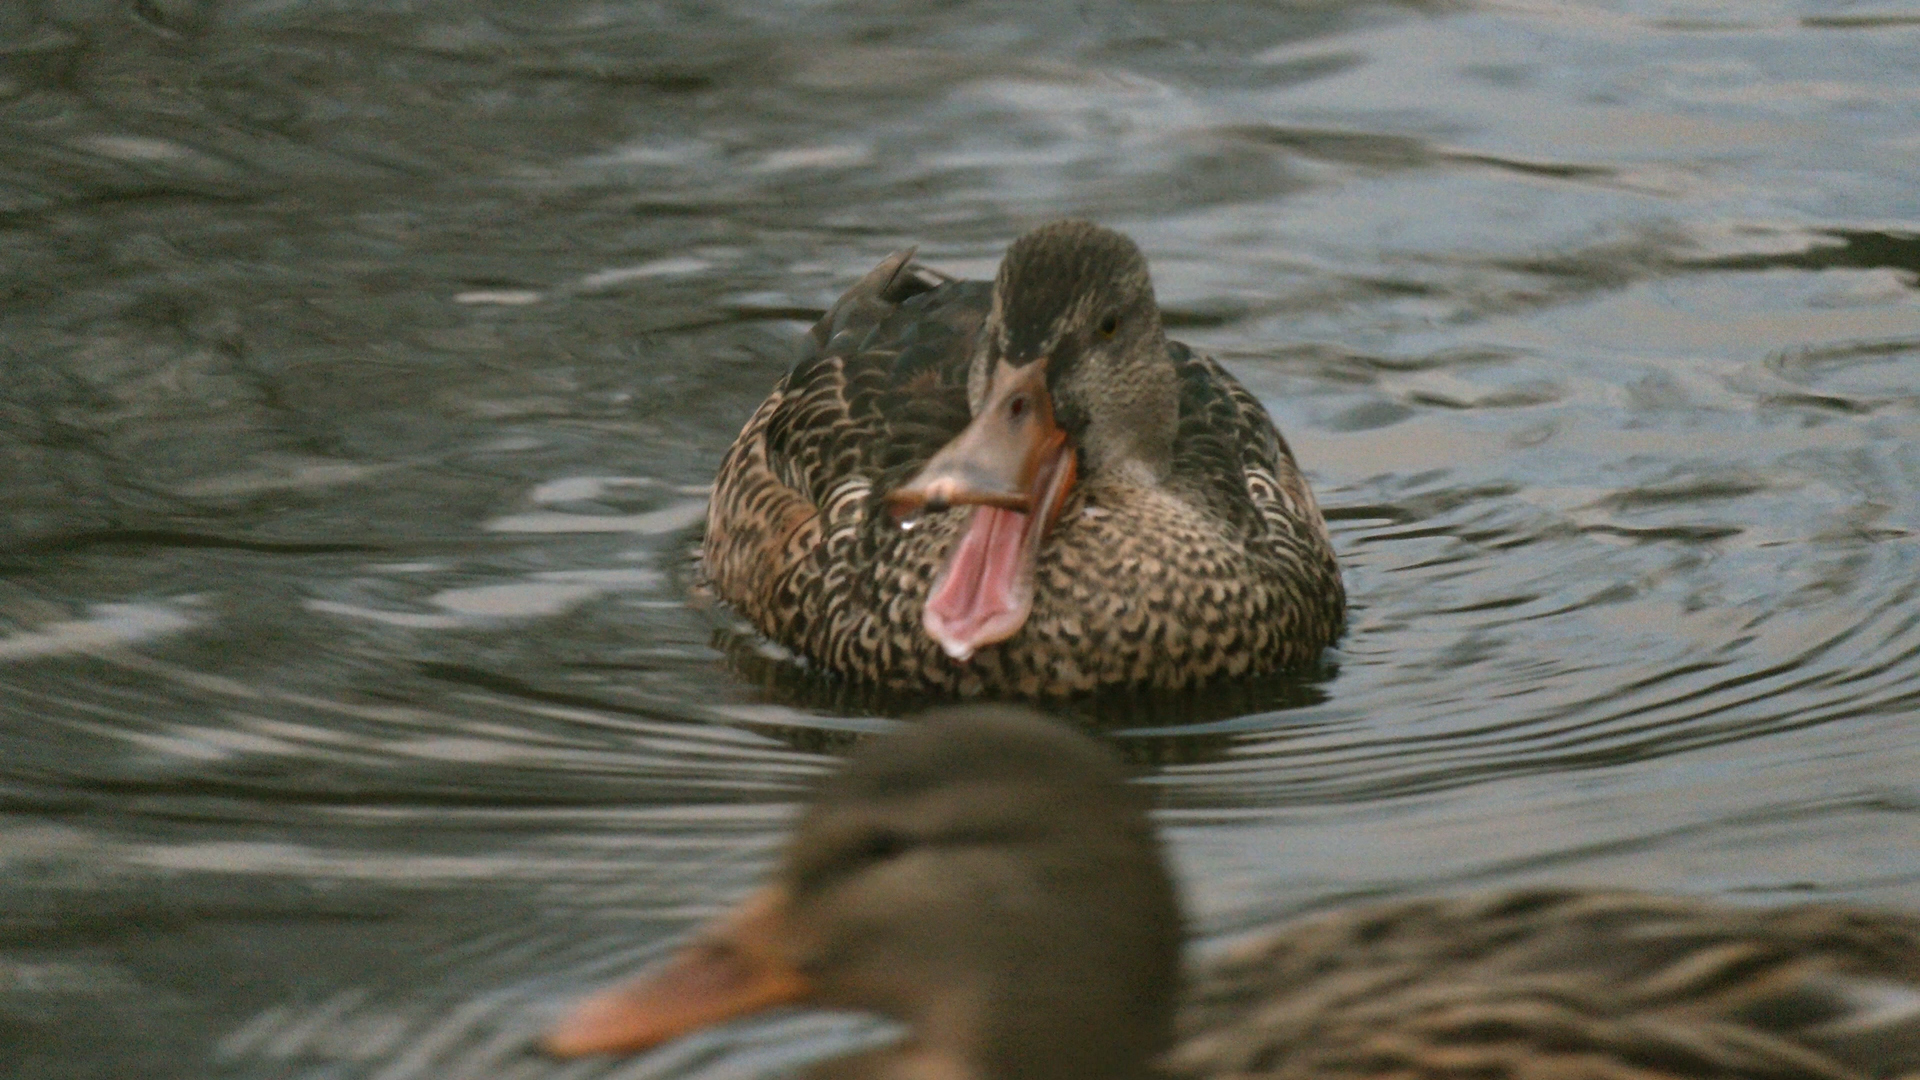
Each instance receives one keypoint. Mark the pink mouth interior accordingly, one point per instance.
(986, 592)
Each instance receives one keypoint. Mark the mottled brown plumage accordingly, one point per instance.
(1563, 984)
(988, 880)
(1190, 548)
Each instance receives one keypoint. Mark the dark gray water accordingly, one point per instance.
(362, 366)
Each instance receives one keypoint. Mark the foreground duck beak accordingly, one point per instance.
(735, 968)
(1013, 465)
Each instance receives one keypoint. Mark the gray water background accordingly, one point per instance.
(363, 364)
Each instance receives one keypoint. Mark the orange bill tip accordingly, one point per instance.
(733, 971)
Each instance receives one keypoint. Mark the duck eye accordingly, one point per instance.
(1017, 406)
(881, 846)
(1110, 325)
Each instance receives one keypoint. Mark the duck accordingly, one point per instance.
(1020, 489)
(991, 881)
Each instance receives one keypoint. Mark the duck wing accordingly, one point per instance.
(1227, 450)
(1230, 458)
(1562, 984)
(879, 387)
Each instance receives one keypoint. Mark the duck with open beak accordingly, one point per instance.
(1015, 466)
(1020, 488)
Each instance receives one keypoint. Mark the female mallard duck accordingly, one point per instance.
(1131, 516)
(991, 882)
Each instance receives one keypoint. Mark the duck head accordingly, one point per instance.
(985, 878)
(1069, 380)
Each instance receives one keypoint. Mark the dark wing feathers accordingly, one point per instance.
(884, 385)
(1229, 456)
(1229, 452)
(1219, 439)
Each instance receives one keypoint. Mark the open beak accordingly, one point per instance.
(1013, 465)
(737, 967)
(994, 461)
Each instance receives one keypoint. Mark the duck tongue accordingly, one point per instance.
(987, 588)
(986, 592)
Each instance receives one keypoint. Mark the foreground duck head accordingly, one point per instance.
(986, 878)
(1069, 379)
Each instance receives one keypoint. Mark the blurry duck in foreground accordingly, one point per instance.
(1022, 488)
(991, 882)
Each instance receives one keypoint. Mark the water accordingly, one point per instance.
(365, 364)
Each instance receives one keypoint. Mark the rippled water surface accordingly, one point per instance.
(363, 365)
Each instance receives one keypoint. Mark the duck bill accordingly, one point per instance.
(736, 968)
(1013, 466)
